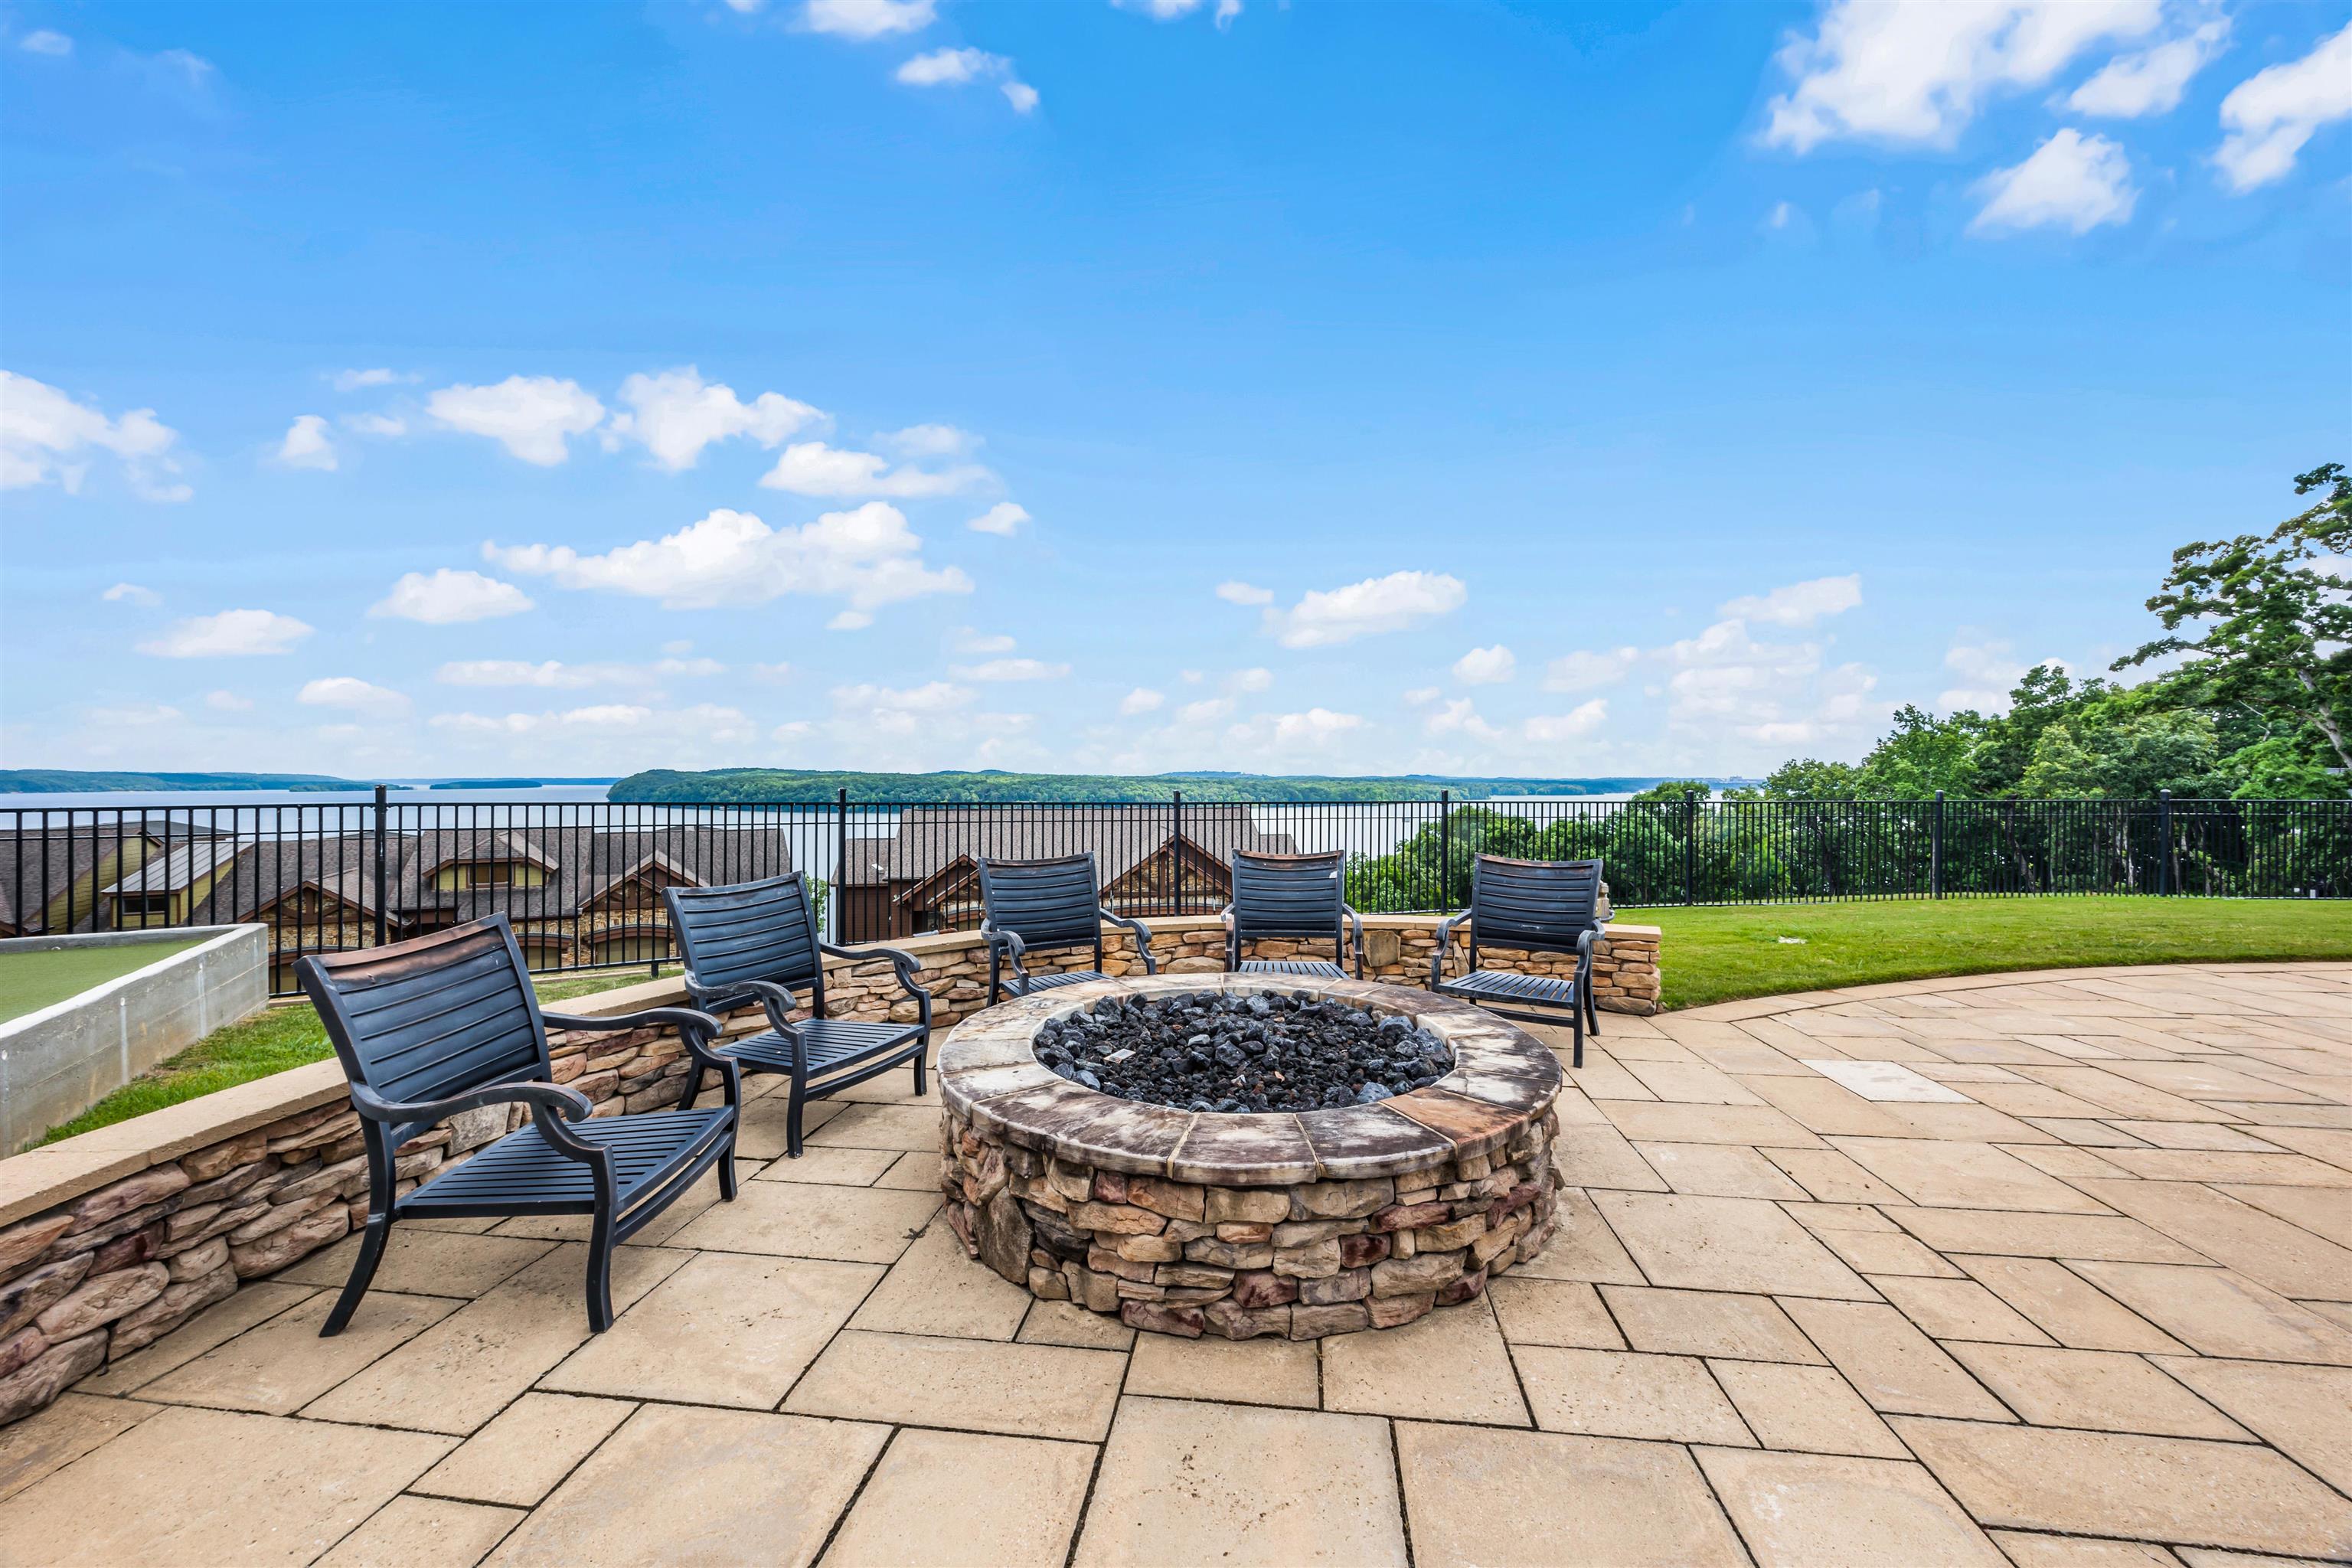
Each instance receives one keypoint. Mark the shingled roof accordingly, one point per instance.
(928, 839)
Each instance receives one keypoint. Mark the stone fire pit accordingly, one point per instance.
(1295, 1225)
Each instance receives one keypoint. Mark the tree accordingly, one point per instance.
(1805, 778)
(2096, 756)
(2275, 620)
(1922, 756)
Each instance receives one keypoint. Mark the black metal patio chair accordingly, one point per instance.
(757, 941)
(1292, 895)
(440, 1023)
(1039, 906)
(1528, 906)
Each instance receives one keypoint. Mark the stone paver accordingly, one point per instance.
(2070, 1279)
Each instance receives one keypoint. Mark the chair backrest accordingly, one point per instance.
(1045, 903)
(433, 1016)
(752, 931)
(1537, 906)
(1288, 894)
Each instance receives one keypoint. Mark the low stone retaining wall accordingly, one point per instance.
(109, 1240)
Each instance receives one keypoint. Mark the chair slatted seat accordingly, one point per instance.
(1043, 906)
(446, 1023)
(1528, 906)
(756, 944)
(1294, 896)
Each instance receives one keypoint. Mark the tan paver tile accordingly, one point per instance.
(1719, 1170)
(2317, 1209)
(2222, 1313)
(1602, 1073)
(424, 1262)
(2204, 1557)
(1826, 1108)
(1831, 1178)
(1873, 1253)
(213, 1487)
(2332, 1144)
(1727, 1244)
(962, 1500)
(2119, 1096)
(2065, 1305)
(901, 1127)
(978, 1385)
(724, 1328)
(1690, 1083)
(1816, 1510)
(1822, 1218)
(1708, 1323)
(2080, 1552)
(257, 1301)
(851, 1225)
(527, 1448)
(2287, 1257)
(1060, 1323)
(283, 1365)
(1604, 1500)
(678, 1484)
(1890, 1362)
(1963, 1176)
(1596, 1155)
(910, 1172)
(2212, 1166)
(2041, 1235)
(470, 1365)
(1650, 1122)
(1620, 1394)
(412, 1529)
(2204, 1080)
(1447, 1366)
(1965, 1124)
(1809, 1408)
(1246, 1371)
(2193, 1135)
(842, 1167)
(49, 1440)
(2304, 1411)
(2039, 1100)
(2089, 1134)
(1959, 1308)
(1584, 1247)
(2146, 1488)
(2103, 1389)
(1272, 1489)
(1553, 1312)
(935, 1289)
(2067, 1163)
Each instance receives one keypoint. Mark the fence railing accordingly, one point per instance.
(581, 881)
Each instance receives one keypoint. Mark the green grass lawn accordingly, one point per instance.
(34, 978)
(269, 1042)
(1717, 955)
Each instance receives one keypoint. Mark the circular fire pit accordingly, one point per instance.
(1295, 1223)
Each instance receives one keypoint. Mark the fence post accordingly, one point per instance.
(839, 912)
(1176, 851)
(1690, 846)
(383, 893)
(1935, 850)
(1445, 849)
(2164, 833)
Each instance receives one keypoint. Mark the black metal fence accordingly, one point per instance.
(581, 881)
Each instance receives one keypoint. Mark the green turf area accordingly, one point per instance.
(1716, 954)
(268, 1042)
(34, 978)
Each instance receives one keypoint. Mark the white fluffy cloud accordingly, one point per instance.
(1175, 10)
(450, 596)
(385, 424)
(2072, 180)
(2271, 115)
(674, 413)
(1011, 669)
(1799, 604)
(557, 675)
(607, 737)
(2151, 80)
(44, 437)
(133, 594)
(1003, 519)
(45, 42)
(1460, 717)
(1244, 593)
(1584, 671)
(929, 441)
(868, 556)
(1486, 666)
(955, 68)
(228, 702)
(1919, 73)
(350, 691)
(358, 380)
(868, 18)
(1328, 616)
(307, 445)
(1551, 729)
(1311, 733)
(534, 417)
(813, 468)
(1142, 700)
(231, 634)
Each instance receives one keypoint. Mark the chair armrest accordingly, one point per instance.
(1444, 943)
(1137, 930)
(1355, 930)
(695, 1028)
(902, 964)
(1007, 946)
(551, 1097)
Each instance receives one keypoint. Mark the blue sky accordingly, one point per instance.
(413, 390)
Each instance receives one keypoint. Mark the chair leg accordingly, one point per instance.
(726, 1174)
(919, 1067)
(1580, 1038)
(793, 1122)
(371, 1240)
(1592, 1009)
(600, 1275)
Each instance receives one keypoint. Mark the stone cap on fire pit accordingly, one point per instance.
(1502, 1079)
